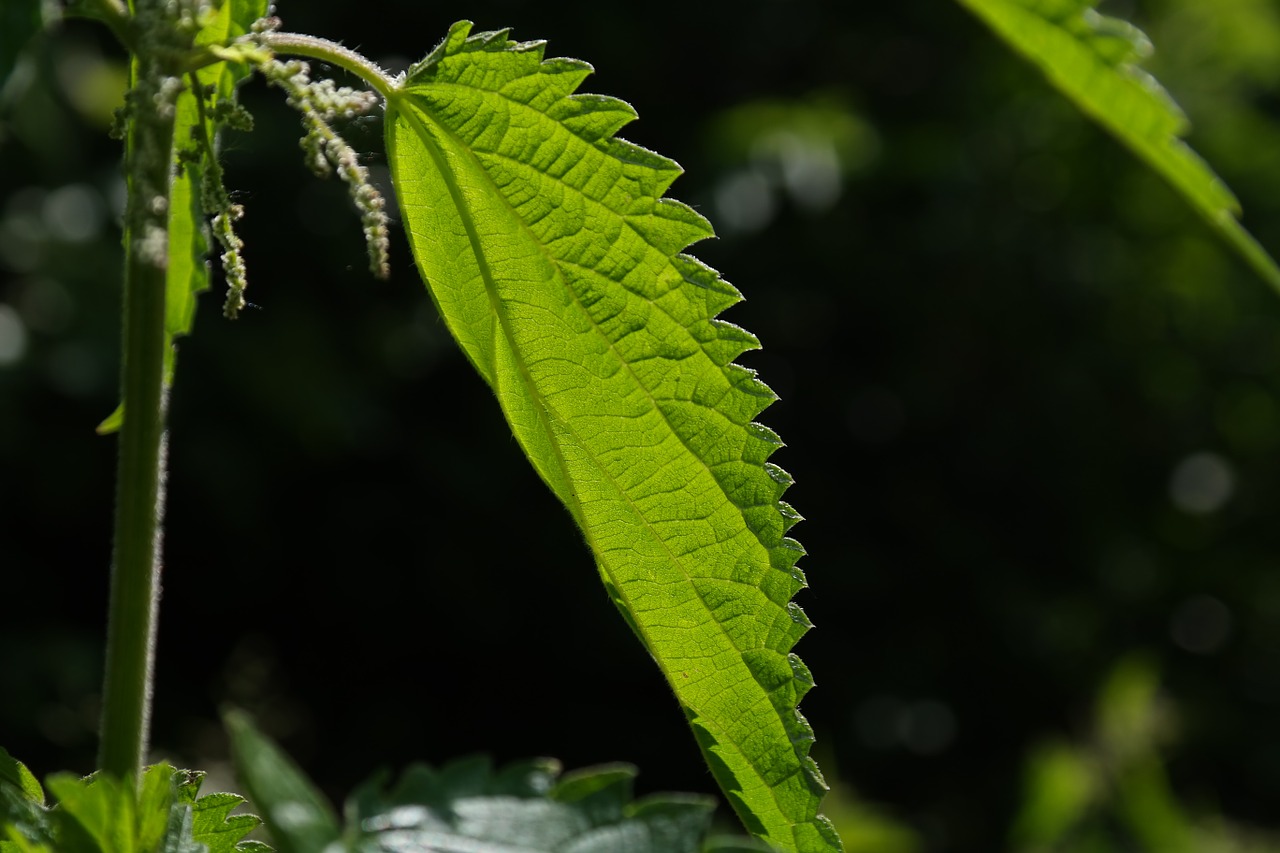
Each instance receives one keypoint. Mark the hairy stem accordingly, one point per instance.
(135, 570)
(293, 44)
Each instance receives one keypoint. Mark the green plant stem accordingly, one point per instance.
(294, 44)
(135, 570)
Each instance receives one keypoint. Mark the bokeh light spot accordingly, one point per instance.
(744, 201)
(73, 213)
(13, 337)
(1200, 625)
(1202, 483)
(927, 728)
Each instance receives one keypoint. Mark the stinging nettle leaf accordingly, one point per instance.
(100, 814)
(559, 267)
(1092, 59)
(211, 822)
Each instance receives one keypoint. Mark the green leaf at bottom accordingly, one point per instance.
(466, 806)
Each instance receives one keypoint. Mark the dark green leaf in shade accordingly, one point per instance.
(24, 823)
(525, 808)
(20, 20)
(559, 267)
(14, 773)
(298, 817)
(1093, 60)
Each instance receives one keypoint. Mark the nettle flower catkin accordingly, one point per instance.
(216, 203)
(214, 197)
(319, 103)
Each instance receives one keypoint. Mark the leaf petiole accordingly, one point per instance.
(312, 47)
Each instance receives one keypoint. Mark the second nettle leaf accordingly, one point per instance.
(558, 265)
(1093, 60)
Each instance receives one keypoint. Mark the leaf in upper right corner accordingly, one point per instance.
(1093, 60)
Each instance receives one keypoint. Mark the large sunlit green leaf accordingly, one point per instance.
(188, 272)
(559, 268)
(1093, 60)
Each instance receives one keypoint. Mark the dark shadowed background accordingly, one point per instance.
(1032, 409)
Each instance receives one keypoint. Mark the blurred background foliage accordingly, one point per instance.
(1033, 410)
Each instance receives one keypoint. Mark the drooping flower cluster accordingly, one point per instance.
(201, 159)
(225, 214)
(319, 103)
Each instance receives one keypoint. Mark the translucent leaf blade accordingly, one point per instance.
(558, 266)
(212, 824)
(1092, 59)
